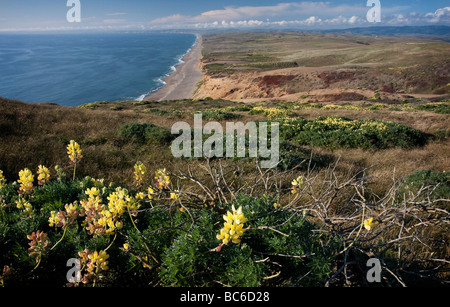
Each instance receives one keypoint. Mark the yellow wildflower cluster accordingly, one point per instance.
(93, 192)
(2, 180)
(55, 219)
(64, 218)
(25, 206)
(330, 107)
(139, 173)
(110, 222)
(338, 123)
(374, 125)
(43, 175)
(92, 208)
(233, 228)
(101, 219)
(162, 179)
(174, 195)
(296, 184)
(334, 123)
(74, 151)
(271, 113)
(119, 201)
(95, 262)
(26, 179)
(139, 195)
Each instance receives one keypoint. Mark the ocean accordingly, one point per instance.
(74, 69)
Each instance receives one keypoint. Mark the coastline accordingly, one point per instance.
(181, 84)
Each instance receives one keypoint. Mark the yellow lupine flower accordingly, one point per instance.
(150, 193)
(139, 172)
(43, 175)
(368, 224)
(25, 206)
(118, 201)
(140, 195)
(92, 192)
(2, 180)
(298, 181)
(233, 228)
(174, 195)
(70, 208)
(74, 151)
(54, 219)
(26, 179)
(99, 259)
(162, 179)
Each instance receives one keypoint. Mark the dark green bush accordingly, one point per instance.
(340, 132)
(438, 183)
(145, 133)
(441, 108)
(218, 115)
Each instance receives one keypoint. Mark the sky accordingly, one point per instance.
(51, 15)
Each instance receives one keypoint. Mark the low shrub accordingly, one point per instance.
(271, 113)
(145, 133)
(193, 261)
(338, 132)
(437, 107)
(437, 183)
(218, 115)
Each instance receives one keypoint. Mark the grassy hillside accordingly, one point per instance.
(401, 184)
(363, 173)
(307, 62)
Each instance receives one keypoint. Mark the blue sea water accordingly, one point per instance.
(74, 69)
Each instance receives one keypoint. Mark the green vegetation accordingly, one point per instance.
(441, 108)
(244, 265)
(145, 133)
(429, 179)
(337, 132)
(217, 115)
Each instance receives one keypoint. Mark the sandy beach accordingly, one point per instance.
(181, 84)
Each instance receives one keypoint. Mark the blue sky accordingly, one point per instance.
(205, 14)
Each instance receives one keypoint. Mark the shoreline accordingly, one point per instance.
(181, 83)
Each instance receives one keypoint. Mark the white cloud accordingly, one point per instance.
(442, 14)
(176, 18)
(306, 13)
(298, 12)
(353, 20)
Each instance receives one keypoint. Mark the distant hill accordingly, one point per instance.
(432, 32)
(440, 32)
